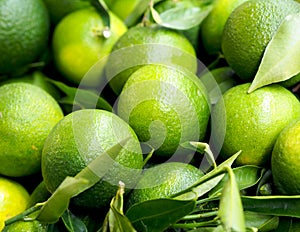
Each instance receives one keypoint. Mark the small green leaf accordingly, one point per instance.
(115, 219)
(260, 221)
(182, 18)
(231, 209)
(73, 223)
(273, 205)
(208, 181)
(56, 205)
(281, 59)
(246, 176)
(81, 97)
(102, 9)
(157, 215)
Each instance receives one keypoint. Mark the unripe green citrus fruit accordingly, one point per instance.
(164, 180)
(165, 107)
(24, 31)
(137, 38)
(252, 122)
(78, 139)
(286, 160)
(27, 115)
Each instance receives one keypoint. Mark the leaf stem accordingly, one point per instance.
(200, 215)
(213, 222)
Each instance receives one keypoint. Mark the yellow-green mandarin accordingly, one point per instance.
(79, 43)
(164, 180)
(27, 115)
(252, 122)
(213, 25)
(14, 199)
(161, 41)
(248, 31)
(122, 8)
(286, 160)
(24, 31)
(26, 226)
(165, 107)
(78, 139)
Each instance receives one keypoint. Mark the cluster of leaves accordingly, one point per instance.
(218, 201)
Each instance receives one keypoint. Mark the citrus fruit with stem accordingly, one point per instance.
(285, 160)
(164, 180)
(252, 122)
(78, 139)
(137, 38)
(165, 107)
(248, 31)
(213, 25)
(80, 40)
(14, 199)
(24, 31)
(27, 115)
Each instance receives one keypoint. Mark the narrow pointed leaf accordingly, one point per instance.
(158, 215)
(102, 9)
(82, 97)
(56, 205)
(72, 223)
(281, 59)
(231, 211)
(273, 205)
(182, 18)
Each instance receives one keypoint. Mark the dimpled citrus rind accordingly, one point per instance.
(165, 107)
(286, 160)
(14, 199)
(252, 122)
(27, 115)
(164, 180)
(24, 31)
(81, 137)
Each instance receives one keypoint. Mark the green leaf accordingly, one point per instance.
(56, 205)
(102, 9)
(260, 221)
(231, 209)
(115, 219)
(273, 205)
(212, 178)
(181, 18)
(72, 223)
(157, 215)
(281, 59)
(246, 176)
(81, 97)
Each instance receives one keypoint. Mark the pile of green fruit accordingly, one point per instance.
(149, 115)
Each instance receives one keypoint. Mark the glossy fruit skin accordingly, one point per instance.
(78, 43)
(248, 31)
(252, 122)
(14, 199)
(122, 8)
(28, 114)
(138, 37)
(24, 31)
(213, 25)
(165, 107)
(286, 160)
(164, 180)
(81, 137)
